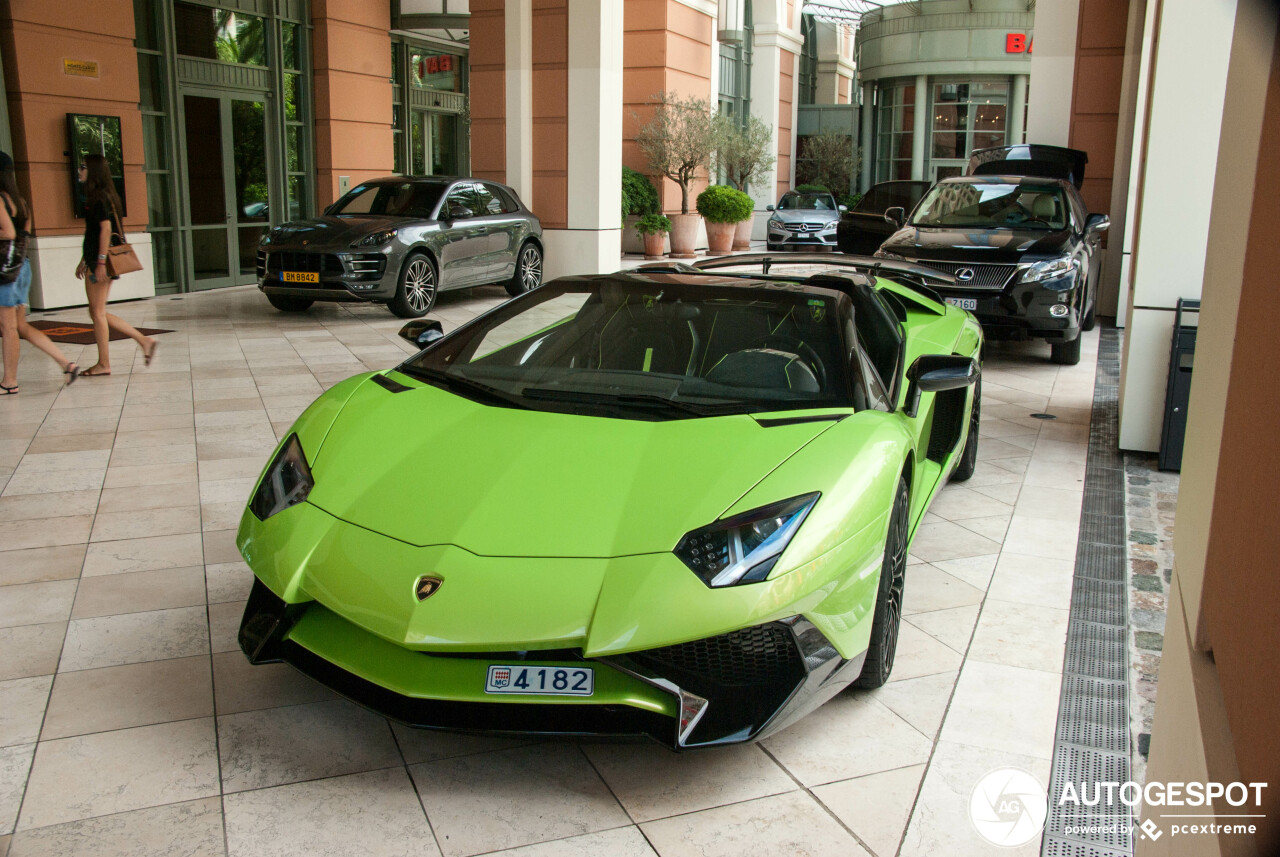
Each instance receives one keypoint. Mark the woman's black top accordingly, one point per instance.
(94, 214)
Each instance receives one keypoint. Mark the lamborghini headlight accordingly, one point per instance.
(1049, 269)
(376, 239)
(286, 483)
(744, 548)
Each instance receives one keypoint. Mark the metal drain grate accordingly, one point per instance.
(1091, 743)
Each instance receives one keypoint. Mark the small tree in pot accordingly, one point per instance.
(723, 208)
(678, 141)
(745, 152)
(653, 228)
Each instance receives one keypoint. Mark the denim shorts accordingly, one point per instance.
(15, 293)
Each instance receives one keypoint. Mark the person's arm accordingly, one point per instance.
(6, 224)
(104, 241)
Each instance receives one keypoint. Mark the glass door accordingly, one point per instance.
(228, 189)
(433, 143)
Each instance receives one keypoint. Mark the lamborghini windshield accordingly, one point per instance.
(651, 347)
(992, 205)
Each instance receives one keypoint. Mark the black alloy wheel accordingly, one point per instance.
(888, 614)
(528, 274)
(416, 291)
(289, 303)
(969, 458)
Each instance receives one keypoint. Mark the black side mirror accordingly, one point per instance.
(422, 333)
(459, 212)
(895, 216)
(933, 373)
(1096, 224)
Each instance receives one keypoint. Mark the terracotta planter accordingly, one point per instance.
(654, 244)
(684, 235)
(742, 235)
(720, 238)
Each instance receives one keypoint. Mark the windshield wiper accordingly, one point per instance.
(643, 400)
(456, 383)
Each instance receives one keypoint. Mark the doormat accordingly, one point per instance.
(76, 333)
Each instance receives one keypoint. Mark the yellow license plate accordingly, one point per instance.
(299, 277)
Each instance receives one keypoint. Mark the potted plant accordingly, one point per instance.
(678, 141)
(723, 208)
(745, 151)
(639, 197)
(653, 229)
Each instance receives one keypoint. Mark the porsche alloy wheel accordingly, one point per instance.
(888, 614)
(416, 293)
(528, 275)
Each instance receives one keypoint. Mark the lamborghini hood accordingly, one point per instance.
(428, 467)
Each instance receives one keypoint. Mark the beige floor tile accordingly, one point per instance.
(993, 449)
(137, 498)
(117, 526)
(112, 772)
(792, 823)
(80, 421)
(242, 403)
(122, 697)
(1051, 449)
(222, 516)
(1032, 580)
(618, 842)
(245, 467)
(240, 686)
(922, 701)
(267, 748)
(49, 532)
(955, 502)
(1021, 635)
(220, 546)
(920, 654)
(973, 570)
(993, 528)
(1004, 708)
(224, 625)
(70, 442)
(132, 476)
(36, 603)
(941, 823)
(1007, 493)
(192, 829)
(252, 419)
(228, 490)
(145, 554)
(110, 641)
(850, 736)
(952, 627)
(941, 541)
(1058, 504)
(158, 422)
(60, 462)
(178, 453)
(651, 783)
(928, 588)
(228, 581)
(31, 507)
(139, 591)
(22, 702)
(15, 767)
(986, 475)
(514, 797)
(428, 745)
(1050, 473)
(1044, 537)
(876, 807)
(374, 814)
(31, 650)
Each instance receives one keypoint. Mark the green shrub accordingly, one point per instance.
(653, 223)
(638, 193)
(720, 204)
(849, 200)
(813, 188)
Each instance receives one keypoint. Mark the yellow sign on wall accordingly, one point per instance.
(80, 68)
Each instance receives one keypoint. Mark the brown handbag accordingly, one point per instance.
(120, 256)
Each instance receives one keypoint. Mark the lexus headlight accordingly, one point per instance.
(744, 548)
(1049, 269)
(376, 239)
(286, 483)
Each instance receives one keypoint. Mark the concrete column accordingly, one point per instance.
(868, 152)
(1017, 107)
(1175, 200)
(1053, 66)
(519, 97)
(920, 127)
(590, 242)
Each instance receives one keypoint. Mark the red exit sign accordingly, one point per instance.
(1017, 43)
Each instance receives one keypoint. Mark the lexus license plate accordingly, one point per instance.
(542, 681)
(963, 303)
(300, 277)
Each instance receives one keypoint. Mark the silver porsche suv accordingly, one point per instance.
(400, 240)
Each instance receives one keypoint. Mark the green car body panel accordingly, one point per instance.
(555, 531)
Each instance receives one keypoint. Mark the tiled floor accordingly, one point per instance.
(131, 725)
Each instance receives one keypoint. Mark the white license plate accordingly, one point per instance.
(542, 681)
(963, 303)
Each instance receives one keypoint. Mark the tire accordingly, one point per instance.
(416, 291)
(528, 273)
(1065, 353)
(888, 613)
(1090, 319)
(969, 458)
(773, 248)
(289, 303)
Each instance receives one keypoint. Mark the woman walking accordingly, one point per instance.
(14, 218)
(101, 219)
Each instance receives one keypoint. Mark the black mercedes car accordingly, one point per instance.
(1019, 241)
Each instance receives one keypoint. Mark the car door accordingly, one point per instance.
(463, 236)
(506, 232)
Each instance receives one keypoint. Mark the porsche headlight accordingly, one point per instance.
(744, 548)
(1049, 269)
(286, 483)
(376, 239)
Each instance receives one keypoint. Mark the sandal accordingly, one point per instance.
(72, 371)
(9, 391)
(89, 373)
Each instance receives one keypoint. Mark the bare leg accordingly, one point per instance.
(37, 338)
(12, 347)
(97, 293)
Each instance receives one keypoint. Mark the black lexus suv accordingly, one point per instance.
(1019, 241)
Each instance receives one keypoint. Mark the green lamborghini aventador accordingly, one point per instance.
(674, 501)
